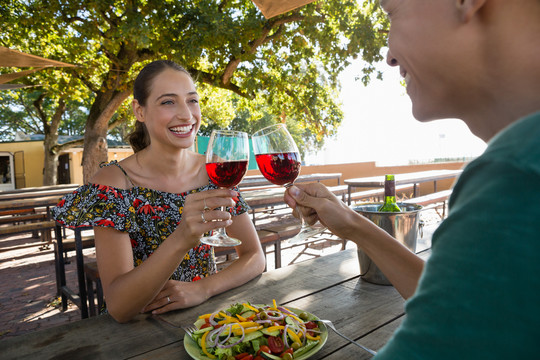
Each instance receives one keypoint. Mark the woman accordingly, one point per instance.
(150, 210)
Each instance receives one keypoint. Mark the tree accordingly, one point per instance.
(45, 111)
(288, 64)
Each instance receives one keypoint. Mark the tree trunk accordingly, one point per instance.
(95, 137)
(50, 166)
(50, 161)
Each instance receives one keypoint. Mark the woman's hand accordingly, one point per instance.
(202, 213)
(177, 295)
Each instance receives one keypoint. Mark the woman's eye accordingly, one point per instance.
(167, 102)
(194, 101)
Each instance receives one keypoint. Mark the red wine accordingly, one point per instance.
(279, 168)
(227, 174)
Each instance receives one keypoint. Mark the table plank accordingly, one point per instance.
(259, 180)
(36, 194)
(46, 201)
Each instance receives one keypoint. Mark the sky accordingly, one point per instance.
(378, 126)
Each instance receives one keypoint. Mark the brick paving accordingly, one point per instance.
(28, 300)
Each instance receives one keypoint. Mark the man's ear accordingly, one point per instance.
(137, 110)
(469, 8)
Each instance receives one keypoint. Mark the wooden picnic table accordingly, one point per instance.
(36, 194)
(402, 179)
(17, 204)
(40, 188)
(365, 312)
(259, 180)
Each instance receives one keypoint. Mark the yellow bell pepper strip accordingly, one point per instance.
(275, 305)
(276, 327)
(250, 307)
(205, 316)
(241, 318)
(203, 346)
(227, 319)
(318, 337)
(293, 335)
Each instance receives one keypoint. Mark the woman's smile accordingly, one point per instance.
(182, 130)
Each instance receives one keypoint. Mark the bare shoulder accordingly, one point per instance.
(199, 162)
(112, 175)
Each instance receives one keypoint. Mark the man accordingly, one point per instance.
(478, 295)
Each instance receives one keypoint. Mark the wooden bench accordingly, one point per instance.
(44, 228)
(266, 238)
(17, 212)
(22, 219)
(61, 255)
(94, 290)
(432, 201)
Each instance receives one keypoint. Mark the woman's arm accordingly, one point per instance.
(129, 289)
(250, 263)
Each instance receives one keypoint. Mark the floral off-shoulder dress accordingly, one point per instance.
(148, 216)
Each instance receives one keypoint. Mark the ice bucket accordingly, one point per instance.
(402, 225)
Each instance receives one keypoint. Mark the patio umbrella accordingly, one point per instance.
(14, 58)
(271, 8)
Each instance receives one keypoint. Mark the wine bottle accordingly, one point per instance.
(389, 195)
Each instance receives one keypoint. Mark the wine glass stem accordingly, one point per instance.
(221, 230)
(300, 216)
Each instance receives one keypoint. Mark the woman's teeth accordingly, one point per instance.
(181, 129)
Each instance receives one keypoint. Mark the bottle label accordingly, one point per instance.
(390, 188)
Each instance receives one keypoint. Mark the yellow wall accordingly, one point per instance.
(34, 157)
(33, 160)
(75, 159)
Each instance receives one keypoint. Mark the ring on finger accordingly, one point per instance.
(206, 208)
(168, 300)
(203, 219)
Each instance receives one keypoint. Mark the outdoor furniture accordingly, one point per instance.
(36, 193)
(45, 202)
(329, 287)
(14, 210)
(414, 178)
(80, 297)
(432, 201)
(260, 181)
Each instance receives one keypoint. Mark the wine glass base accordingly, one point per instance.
(306, 232)
(220, 240)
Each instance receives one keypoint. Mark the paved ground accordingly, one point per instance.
(28, 300)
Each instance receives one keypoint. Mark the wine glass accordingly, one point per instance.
(278, 159)
(226, 164)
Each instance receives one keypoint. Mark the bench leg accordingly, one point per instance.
(277, 253)
(90, 295)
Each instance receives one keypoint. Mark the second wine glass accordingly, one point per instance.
(278, 159)
(226, 164)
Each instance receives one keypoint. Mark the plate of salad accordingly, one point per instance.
(247, 331)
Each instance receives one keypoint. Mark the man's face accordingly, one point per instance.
(422, 43)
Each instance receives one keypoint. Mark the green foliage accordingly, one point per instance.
(250, 70)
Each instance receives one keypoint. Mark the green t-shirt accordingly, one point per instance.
(479, 294)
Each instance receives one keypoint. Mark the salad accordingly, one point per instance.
(256, 332)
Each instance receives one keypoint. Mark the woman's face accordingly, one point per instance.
(426, 42)
(172, 114)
